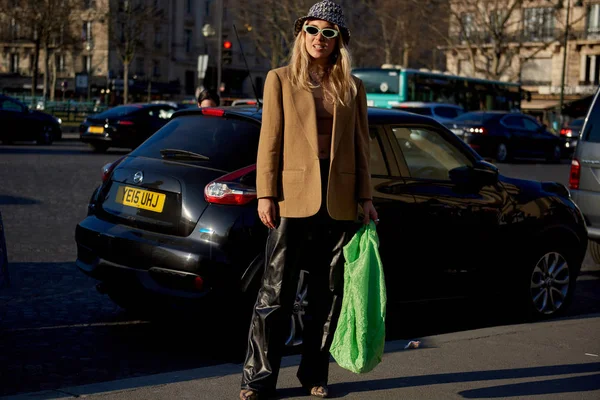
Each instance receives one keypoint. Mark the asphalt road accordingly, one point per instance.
(57, 331)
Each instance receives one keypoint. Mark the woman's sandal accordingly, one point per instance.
(318, 391)
(247, 394)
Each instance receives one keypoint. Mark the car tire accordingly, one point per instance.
(502, 153)
(46, 137)
(99, 147)
(547, 285)
(594, 250)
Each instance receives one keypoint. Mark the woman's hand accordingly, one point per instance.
(267, 212)
(370, 212)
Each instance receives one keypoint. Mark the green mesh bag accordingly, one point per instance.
(360, 335)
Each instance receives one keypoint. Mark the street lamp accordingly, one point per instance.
(579, 3)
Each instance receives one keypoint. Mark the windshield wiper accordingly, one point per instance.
(177, 153)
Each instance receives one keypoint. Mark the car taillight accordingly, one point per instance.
(215, 112)
(109, 168)
(575, 174)
(566, 132)
(128, 123)
(228, 189)
(478, 130)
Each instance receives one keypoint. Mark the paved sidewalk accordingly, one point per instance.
(556, 360)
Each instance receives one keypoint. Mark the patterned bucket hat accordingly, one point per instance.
(327, 11)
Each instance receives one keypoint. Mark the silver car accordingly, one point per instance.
(584, 180)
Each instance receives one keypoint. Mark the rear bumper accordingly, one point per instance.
(589, 204)
(161, 264)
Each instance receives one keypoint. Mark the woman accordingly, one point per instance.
(208, 98)
(312, 171)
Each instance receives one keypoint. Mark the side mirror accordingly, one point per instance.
(485, 172)
(482, 173)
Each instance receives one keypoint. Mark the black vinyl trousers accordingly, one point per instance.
(314, 244)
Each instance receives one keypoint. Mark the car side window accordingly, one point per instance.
(428, 154)
(513, 121)
(592, 126)
(165, 113)
(530, 125)
(8, 105)
(378, 164)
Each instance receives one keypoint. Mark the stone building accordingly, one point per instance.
(532, 41)
(164, 65)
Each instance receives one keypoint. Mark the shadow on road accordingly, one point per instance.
(564, 385)
(73, 335)
(6, 200)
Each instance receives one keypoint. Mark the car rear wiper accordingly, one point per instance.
(177, 153)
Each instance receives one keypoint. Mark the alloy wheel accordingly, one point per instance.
(299, 310)
(549, 283)
(501, 152)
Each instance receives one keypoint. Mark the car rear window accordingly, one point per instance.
(577, 122)
(418, 110)
(229, 143)
(476, 117)
(118, 111)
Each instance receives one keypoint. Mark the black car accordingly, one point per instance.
(177, 218)
(19, 123)
(504, 136)
(124, 126)
(570, 134)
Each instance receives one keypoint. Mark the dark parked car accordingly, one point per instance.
(570, 134)
(124, 126)
(504, 136)
(177, 218)
(19, 123)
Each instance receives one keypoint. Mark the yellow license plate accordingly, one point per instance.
(96, 129)
(140, 198)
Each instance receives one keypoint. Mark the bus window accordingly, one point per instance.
(380, 81)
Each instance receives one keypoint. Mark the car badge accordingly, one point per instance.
(138, 177)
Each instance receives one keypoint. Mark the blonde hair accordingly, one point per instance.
(338, 85)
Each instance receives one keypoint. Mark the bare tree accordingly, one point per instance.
(272, 23)
(128, 24)
(499, 36)
(389, 30)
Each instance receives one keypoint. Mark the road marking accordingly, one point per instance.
(591, 355)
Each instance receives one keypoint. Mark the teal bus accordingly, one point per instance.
(388, 87)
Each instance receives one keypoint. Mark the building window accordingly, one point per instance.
(59, 59)
(207, 8)
(188, 6)
(157, 38)
(538, 23)
(591, 71)
(14, 63)
(155, 69)
(86, 31)
(467, 27)
(31, 62)
(86, 63)
(14, 28)
(89, 3)
(593, 21)
(188, 40)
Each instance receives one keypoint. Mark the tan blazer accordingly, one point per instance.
(288, 163)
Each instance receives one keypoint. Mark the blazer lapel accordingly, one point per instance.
(341, 116)
(304, 104)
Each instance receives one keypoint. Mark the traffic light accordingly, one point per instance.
(226, 55)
